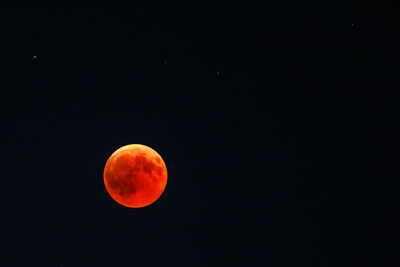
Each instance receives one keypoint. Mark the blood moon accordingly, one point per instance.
(135, 176)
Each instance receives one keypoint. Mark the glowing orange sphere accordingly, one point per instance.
(135, 176)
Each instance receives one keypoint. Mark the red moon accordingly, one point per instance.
(135, 176)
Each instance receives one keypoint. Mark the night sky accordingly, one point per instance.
(277, 127)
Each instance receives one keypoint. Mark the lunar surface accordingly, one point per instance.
(135, 176)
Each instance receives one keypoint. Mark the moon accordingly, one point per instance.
(135, 176)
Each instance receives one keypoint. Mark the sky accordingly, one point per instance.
(277, 128)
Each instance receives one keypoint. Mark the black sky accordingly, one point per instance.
(276, 127)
